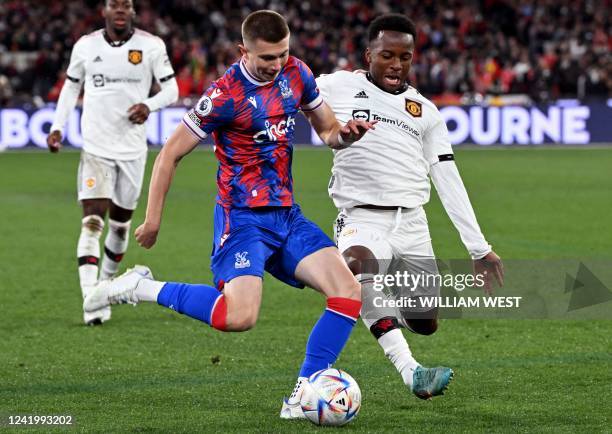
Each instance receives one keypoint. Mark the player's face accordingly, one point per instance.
(390, 58)
(265, 59)
(119, 15)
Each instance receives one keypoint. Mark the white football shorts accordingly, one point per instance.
(400, 241)
(387, 234)
(118, 180)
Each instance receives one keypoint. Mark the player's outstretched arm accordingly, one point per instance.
(181, 142)
(454, 198)
(333, 134)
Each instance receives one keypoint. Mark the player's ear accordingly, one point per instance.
(368, 56)
(243, 50)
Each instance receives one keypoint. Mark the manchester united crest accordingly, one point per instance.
(414, 108)
(135, 56)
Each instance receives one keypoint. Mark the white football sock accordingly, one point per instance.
(88, 251)
(398, 352)
(392, 342)
(148, 290)
(115, 245)
(296, 395)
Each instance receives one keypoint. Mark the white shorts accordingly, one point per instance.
(387, 234)
(400, 242)
(118, 180)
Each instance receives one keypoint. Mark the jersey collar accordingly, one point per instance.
(401, 90)
(117, 43)
(250, 77)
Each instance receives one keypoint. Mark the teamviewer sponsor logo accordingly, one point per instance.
(361, 115)
(98, 80)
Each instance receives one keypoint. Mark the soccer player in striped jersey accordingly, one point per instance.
(117, 66)
(250, 112)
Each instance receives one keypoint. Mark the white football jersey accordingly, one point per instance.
(116, 77)
(389, 166)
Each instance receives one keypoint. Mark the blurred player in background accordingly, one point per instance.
(380, 185)
(251, 112)
(117, 64)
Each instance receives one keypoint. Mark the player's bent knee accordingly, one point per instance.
(360, 260)
(352, 290)
(93, 223)
(241, 317)
(241, 323)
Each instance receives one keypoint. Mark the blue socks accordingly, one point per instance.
(196, 301)
(328, 337)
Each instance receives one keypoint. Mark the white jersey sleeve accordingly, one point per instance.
(162, 68)
(436, 144)
(164, 74)
(76, 68)
(324, 82)
(457, 205)
(71, 88)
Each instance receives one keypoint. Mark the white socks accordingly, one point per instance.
(392, 341)
(115, 245)
(148, 290)
(88, 251)
(397, 351)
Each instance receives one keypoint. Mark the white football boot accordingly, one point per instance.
(291, 407)
(117, 291)
(96, 317)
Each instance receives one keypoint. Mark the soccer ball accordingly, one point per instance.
(331, 397)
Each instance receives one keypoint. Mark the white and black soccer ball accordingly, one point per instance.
(331, 397)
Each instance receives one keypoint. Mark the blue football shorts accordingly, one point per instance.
(248, 241)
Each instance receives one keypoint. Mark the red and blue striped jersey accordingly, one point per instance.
(252, 125)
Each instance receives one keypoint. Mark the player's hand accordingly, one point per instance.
(139, 113)
(146, 235)
(54, 141)
(489, 266)
(354, 130)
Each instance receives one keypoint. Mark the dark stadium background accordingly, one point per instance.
(465, 49)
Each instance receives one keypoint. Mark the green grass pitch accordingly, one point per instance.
(152, 370)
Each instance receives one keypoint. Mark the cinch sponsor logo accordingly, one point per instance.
(276, 131)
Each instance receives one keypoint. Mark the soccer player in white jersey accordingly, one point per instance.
(117, 65)
(380, 185)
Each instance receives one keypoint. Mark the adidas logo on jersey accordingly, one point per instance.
(361, 94)
(97, 59)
